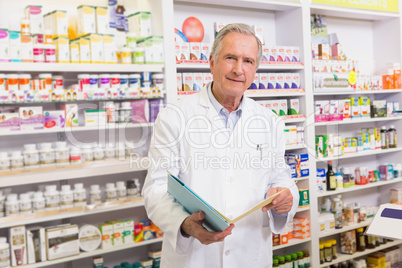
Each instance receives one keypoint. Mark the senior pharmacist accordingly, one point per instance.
(230, 151)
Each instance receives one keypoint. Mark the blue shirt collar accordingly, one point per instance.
(218, 107)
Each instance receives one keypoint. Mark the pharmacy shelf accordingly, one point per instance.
(77, 101)
(79, 67)
(73, 212)
(366, 153)
(268, 93)
(277, 5)
(358, 187)
(358, 121)
(72, 171)
(301, 178)
(346, 257)
(344, 229)
(352, 13)
(292, 242)
(294, 118)
(76, 129)
(303, 209)
(365, 92)
(295, 147)
(268, 66)
(98, 252)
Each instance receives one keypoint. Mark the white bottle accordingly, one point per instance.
(95, 195)
(121, 190)
(132, 190)
(138, 185)
(2, 204)
(38, 202)
(52, 197)
(46, 155)
(61, 153)
(31, 156)
(80, 195)
(66, 197)
(4, 253)
(99, 153)
(109, 152)
(111, 193)
(16, 160)
(5, 163)
(12, 205)
(25, 204)
(120, 151)
(75, 155)
(87, 153)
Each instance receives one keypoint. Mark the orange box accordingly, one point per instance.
(284, 239)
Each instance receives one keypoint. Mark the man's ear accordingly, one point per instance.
(211, 64)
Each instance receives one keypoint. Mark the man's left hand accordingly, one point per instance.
(282, 204)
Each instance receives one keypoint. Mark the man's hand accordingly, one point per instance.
(192, 226)
(282, 203)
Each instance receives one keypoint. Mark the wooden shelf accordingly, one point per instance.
(79, 67)
(69, 172)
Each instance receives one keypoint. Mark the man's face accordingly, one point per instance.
(236, 64)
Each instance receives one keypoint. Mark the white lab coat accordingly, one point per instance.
(227, 171)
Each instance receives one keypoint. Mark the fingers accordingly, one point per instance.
(282, 203)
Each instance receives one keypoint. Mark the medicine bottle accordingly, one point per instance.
(322, 252)
(95, 195)
(87, 153)
(392, 137)
(99, 153)
(288, 261)
(75, 155)
(125, 112)
(132, 189)
(306, 255)
(331, 180)
(121, 190)
(80, 195)
(281, 261)
(110, 112)
(25, 204)
(360, 240)
(339, 180)
(66, 197)
(328, 251)
(334, 249)
(294, 259)
(158, 80)
(16, 160)
(300, 259)
(52, 197)
(12, 205)
(120, 151)
(5, 163)
(31, 156)
(384, 138)
(25, 29)
(61, 153)
(370, 241)
(38, 202)
(104, 81)
(126, 55)
(111, 194)
(109, 152)
(4, 253)
(138, 185)
(275, 263)
(2, 204)
(46, 155)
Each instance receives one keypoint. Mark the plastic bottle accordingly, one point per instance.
(125, 112)
(111, 194)
(334, 249)
(281, 261)
(393, 143)
(38, 202)
(4, 253)
(121, 190)
(138, 185)
(360, 240)
(300, 259)
(275, 263)
(66, 197)
(52, 197)
(331, 180)
(328, 251)
(288, 261)
(322, 252)
(61, 153)
(75, 155)
(25, 204)
(104, 80)
(16, 160)
(87, 153)
(120, 151)
(95, 195)
(339, 180)
(80, 195)
(31, 156)
(306, 255)
(294, 260)
(12, 205)
(110, 152)
(99, 153)
(2, 204)
(46, 155)
(384, 138)
(5, 163)
(132, 190)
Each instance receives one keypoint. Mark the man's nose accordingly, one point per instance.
(238, 67)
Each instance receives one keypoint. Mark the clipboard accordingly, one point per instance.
(214, 221)
(387, 222)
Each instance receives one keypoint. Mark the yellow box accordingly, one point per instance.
(56, 21)
(74, 51)
(86, 19)
(109, 49)
(377, 259)
(62, 49)
(102, 20)
(85, 51)
(96, 47)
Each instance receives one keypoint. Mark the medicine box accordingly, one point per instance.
(177, 51)
(118, 230)
(56, 22)
(198, 81)
(62, 49)
(348, 242)
(283, 107)
(290, 135)
(179, 82)
(188, 81)
(273, 54)
(31, 117)
(109, 49)
(95, 117)
(304, 199)
(280, 81)
(185, 51)
(62, 241)
(396, 195)
(17, 238)
(102, 20)
(107, 235)
(207, 78)
(265, 54)
(9, 121)
(218, 26)
(365, 106)
(35, 16)
(347, 113)
(205, 51)
(74, 51)
(355, 107)
(54, 119)
(36, 244)
(379, 108)
(321, 111)
(263, 80)
(195, 51)
(275, 106)
(95, 47)
(288, 80)
(26, 48)
(86, 21)
(71, 111)
(4, 45)
(128, 234)
(138, 232)
(15, 46)
(85, 50)
(153, 47)
(140, 23)
(271, 80)
(294, 107)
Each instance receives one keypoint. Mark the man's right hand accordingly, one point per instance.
(192, 226)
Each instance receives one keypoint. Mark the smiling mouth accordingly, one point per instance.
(235, 80)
